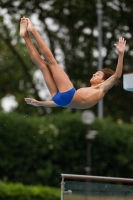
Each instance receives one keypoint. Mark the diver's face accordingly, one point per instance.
(97, 78)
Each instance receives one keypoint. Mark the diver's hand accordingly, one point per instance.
(32, 101)
(120, 46)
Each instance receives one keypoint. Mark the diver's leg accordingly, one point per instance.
(36, 58)
(61, 79)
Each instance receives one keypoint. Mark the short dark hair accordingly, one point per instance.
(107, 73)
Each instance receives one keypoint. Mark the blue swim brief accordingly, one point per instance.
(64, 98)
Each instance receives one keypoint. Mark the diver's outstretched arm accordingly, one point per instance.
(112, 80)
(37, 103)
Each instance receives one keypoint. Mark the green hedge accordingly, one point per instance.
(36, 150)
(11, 191)
(112, 149)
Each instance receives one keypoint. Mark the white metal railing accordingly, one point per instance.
(89, 178)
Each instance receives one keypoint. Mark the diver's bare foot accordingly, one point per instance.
(30, 26)
(23, 26)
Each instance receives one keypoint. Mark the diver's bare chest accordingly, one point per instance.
(86, 98)
(90, 91)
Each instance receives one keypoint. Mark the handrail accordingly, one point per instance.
(97, 178)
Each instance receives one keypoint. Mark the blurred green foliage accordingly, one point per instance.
(18, 191)
(36, 150)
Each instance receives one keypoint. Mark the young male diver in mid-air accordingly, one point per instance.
(61, 88)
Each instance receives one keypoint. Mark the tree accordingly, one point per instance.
(70, 28)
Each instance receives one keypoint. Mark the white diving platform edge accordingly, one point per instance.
(128, 82)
